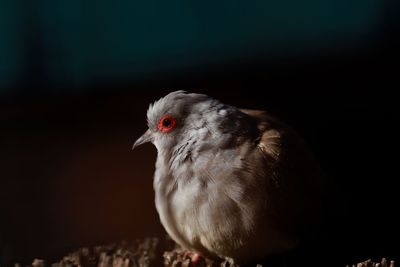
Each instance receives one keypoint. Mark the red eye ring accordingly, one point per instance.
(166, 123)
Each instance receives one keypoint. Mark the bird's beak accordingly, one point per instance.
(146, 137)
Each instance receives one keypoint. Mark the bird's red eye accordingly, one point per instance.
(166, 123)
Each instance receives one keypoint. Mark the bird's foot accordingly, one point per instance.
(195, 258)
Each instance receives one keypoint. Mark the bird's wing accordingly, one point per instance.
(296, 172)
(270, 132)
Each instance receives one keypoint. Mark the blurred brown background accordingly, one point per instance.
(76, 80)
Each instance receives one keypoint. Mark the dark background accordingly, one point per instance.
(76, 78)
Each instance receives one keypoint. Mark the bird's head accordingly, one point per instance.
(188, 118)
(171, 117)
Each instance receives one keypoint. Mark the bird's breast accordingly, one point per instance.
(177, 204)
(201, 214)
(179, 207)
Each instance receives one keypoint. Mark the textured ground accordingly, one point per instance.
(150, 252)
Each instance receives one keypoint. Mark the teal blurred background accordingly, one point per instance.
(60, 44)
(76, 78)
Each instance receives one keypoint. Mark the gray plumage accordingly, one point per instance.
(230, 183)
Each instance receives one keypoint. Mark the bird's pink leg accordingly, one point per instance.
(195, 258)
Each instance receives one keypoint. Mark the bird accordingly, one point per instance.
(230, 183)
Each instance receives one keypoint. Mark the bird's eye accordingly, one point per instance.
(166, 123)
